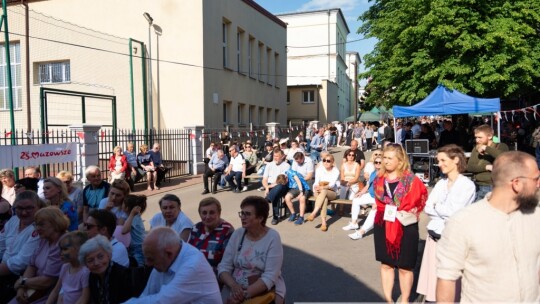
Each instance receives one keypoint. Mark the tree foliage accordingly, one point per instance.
(485, 48)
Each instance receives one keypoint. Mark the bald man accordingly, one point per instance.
(494, 245)
(181, 272)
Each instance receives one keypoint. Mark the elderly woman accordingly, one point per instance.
(40, 276)
(131, 157)
(7, 177)
(251, 266)
(211, 235)
(146, 166)
(400, 197)
(324, 188)
(74, 193)
(55, 192)
(370, 166)
(118, 165)
(109, 282)
(18, 241)
(450, 194)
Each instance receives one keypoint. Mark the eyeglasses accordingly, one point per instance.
(327, 160)
(89, 226)
(21, 209)
(248, 146)
(244, 213)
(378, 163)
(351, 155)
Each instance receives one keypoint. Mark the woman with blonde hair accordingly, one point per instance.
(55, 192)
(400, 197)
(324, 188)
(75, 193)
(146, 166)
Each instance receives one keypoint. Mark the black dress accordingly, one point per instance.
(409, 243)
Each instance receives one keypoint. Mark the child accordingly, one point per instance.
(135, 205)
(72, 285)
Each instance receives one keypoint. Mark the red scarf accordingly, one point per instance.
(410, 193)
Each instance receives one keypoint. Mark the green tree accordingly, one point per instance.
(487, 48)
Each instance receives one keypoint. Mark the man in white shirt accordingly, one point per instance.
(172, 216)
(274, 191)
(236, 170)
(181, 273)
(494, 244)
(103, 222)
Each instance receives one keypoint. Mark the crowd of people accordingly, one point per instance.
(62, 244)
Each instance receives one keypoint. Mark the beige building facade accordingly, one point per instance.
(213, 63)
(317, 80)
(353, 65)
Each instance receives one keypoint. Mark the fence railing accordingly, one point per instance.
(175, 147)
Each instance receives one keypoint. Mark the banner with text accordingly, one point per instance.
(5, 157)
(35, 155)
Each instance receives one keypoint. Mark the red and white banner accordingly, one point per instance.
(35, 155)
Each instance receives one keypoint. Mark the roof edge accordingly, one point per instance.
(266, 13)
(320, 11)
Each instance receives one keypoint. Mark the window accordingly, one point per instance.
(54, 72)
(251, 44)
(269, 115)
(260, 61)
(288, 97)
(276, 115)
(225, 36)
(239, 59)
(268, 71)
(260, 119)
(276, 69)
(308, 96)
(226, 114)
(250, 114)
(240, 112)
(15, 58)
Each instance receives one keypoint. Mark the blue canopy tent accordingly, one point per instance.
(444, 101)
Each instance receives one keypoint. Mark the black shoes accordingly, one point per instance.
(205, 191)
(275, 221)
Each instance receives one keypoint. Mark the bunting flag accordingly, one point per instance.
(7, 134)
(525, 111)
(80, 135)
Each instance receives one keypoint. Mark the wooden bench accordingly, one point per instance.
(340, 201)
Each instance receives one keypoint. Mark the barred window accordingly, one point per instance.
(54, 72)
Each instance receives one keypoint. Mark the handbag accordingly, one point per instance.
(406, 218)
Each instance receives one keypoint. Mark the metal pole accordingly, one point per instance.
(27, 50)
(151, 101)
(158, 87)
(4, 22)
(132, 85)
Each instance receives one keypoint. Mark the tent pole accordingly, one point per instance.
(499, 124)
(395, 131)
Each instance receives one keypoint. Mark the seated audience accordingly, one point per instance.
(109, 282)
(324, 188)
(298, 187)
(26, 183)
(55, 193)
(44, 268)
(211, 235)
(115, 203)
(171, 215)
(253, 259)
(181, 273)
(131, 157)
(118, 165)
(236, 169)
(94, 192)
(275, 191)
(72, 285)
(75, 193)
(103, 222)
(18, 241)
(349, 175)
(250, 156)
(146, 167)
(215, 168)
(161, 170)
(135, 205)
(7, 177)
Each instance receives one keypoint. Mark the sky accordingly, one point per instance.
(351, 10)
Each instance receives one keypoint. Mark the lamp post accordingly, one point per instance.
(159, 32)
(151, 103)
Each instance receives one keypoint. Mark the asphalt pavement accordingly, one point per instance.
(318, 266)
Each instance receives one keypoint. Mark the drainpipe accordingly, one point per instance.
(27, 51)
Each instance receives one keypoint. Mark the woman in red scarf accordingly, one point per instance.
(400, 197)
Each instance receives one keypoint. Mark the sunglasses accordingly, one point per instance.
(248, 146)
(244, 213)
(378, 163)
(351, 155)
(327, 160)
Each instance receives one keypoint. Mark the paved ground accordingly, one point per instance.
(318, 266)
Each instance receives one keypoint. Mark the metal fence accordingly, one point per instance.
(35, 137)
(175, 147)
